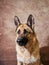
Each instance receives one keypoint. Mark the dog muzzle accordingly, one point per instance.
(22, 41)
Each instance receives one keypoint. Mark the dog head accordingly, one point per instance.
(24, 30)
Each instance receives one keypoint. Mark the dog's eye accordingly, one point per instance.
(25, 31)
(18, 31)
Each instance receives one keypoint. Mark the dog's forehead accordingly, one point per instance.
(24, 26)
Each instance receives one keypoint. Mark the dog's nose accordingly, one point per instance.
(22, 41)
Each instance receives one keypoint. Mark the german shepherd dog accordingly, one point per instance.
(27, 46)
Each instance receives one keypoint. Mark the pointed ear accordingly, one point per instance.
(30, 21)
(16, 21)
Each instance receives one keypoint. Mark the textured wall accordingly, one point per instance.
(22, 8)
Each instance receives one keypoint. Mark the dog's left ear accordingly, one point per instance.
(30, 22)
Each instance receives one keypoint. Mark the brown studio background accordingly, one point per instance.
(22, 8)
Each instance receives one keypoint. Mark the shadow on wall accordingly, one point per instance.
(44, 52)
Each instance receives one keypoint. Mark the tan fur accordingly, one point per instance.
(32, 46)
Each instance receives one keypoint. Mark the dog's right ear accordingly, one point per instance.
(16, 21)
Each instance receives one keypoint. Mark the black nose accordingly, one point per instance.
(22, 41)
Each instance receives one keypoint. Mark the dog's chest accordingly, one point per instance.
(23, 55)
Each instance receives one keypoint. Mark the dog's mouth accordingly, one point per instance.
(22, 41)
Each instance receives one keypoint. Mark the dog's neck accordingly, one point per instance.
(32, 44)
